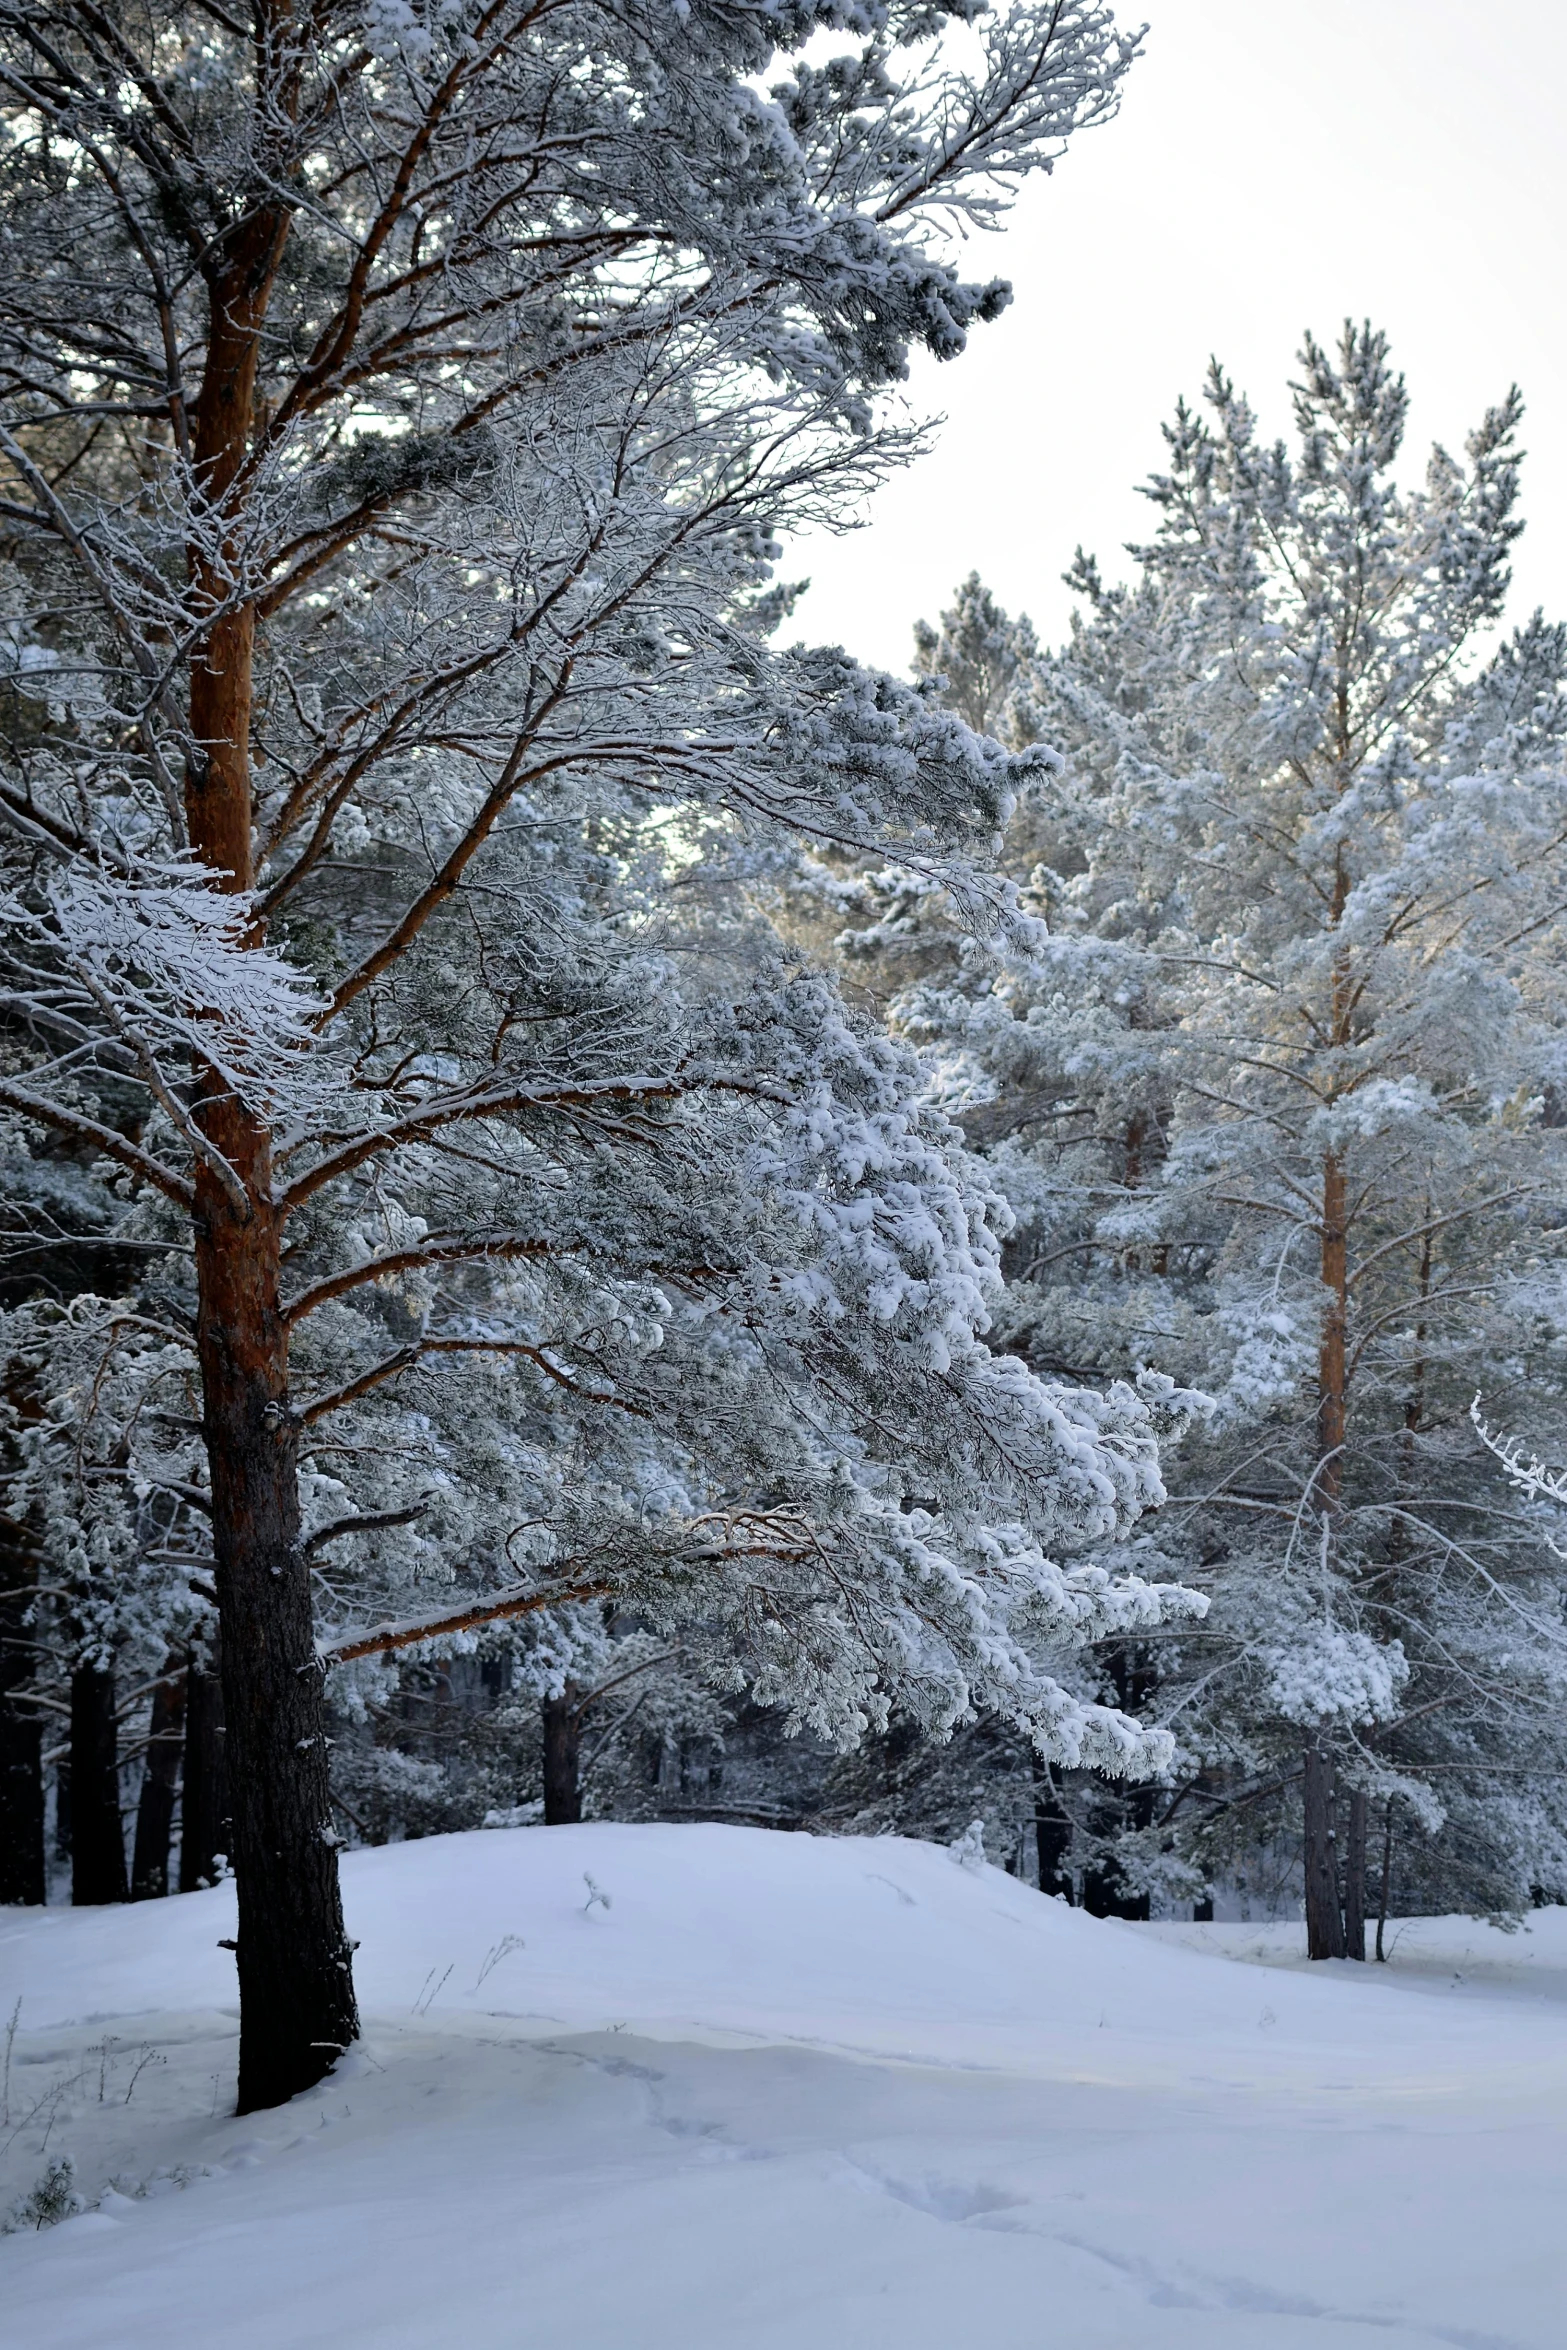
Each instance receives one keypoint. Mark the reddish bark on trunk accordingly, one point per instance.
(295, 1981)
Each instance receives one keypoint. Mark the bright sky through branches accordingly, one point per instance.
(1272, 168)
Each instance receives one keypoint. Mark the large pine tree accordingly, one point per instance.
(399, 406)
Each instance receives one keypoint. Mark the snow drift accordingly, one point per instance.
(698, 2085)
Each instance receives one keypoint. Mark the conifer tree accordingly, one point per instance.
(980, 661)
(400, 403)
(1274, 1104)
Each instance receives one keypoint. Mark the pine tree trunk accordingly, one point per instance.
(1052, 1834)
(1384, 1890)
(155, 1811)
(1324, 1910)
(562, 1756)
(295, 1983)
(21, 1805)
(205, 1833)
(1105, 1891)
(295, 1978)
(1355, 1875)
(97, 1833)
(21, 1745)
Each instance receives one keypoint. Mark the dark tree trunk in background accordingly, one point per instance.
(1324, 1905)
(1053, 1834)
(1105, 1891)
(562, 1757)
(1202, 1911)
(21, 1805)
(155, 1811)
(1099, 1890)
(204, 1807)
(1384, 1890)
(97, 1833)
(22, 1869)
(1324, 1894)
(1355, 1875)
(21, 1742)
(1106, 1895)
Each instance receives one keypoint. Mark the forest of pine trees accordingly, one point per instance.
(610, 1214)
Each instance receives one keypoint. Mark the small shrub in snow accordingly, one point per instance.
(53, 2198)
(969, 1849)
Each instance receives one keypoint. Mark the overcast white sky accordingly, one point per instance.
(1276, 164)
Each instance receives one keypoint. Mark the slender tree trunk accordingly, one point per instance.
(205, 1830)
(562, 1757)
(1355, 1875)
(1105, 1892)
(21, 1805)
(97, 1833)
(1324, 1908)
(1099, 1890)
(23, 1876)
(21, 1743)
(155, 1811)
(1324, 1912)
(1387, 1879)
(1332, 1365)
(1132, 1176)
(1052, 1834)
(295, 1978)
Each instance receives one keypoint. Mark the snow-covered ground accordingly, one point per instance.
(677, 2088)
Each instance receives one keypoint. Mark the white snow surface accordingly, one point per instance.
(774, 2092)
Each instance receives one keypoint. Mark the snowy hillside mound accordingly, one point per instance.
(682, 2087)
(884, 1946)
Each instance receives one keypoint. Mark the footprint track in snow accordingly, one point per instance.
(979, 2203)
(958, 2201)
